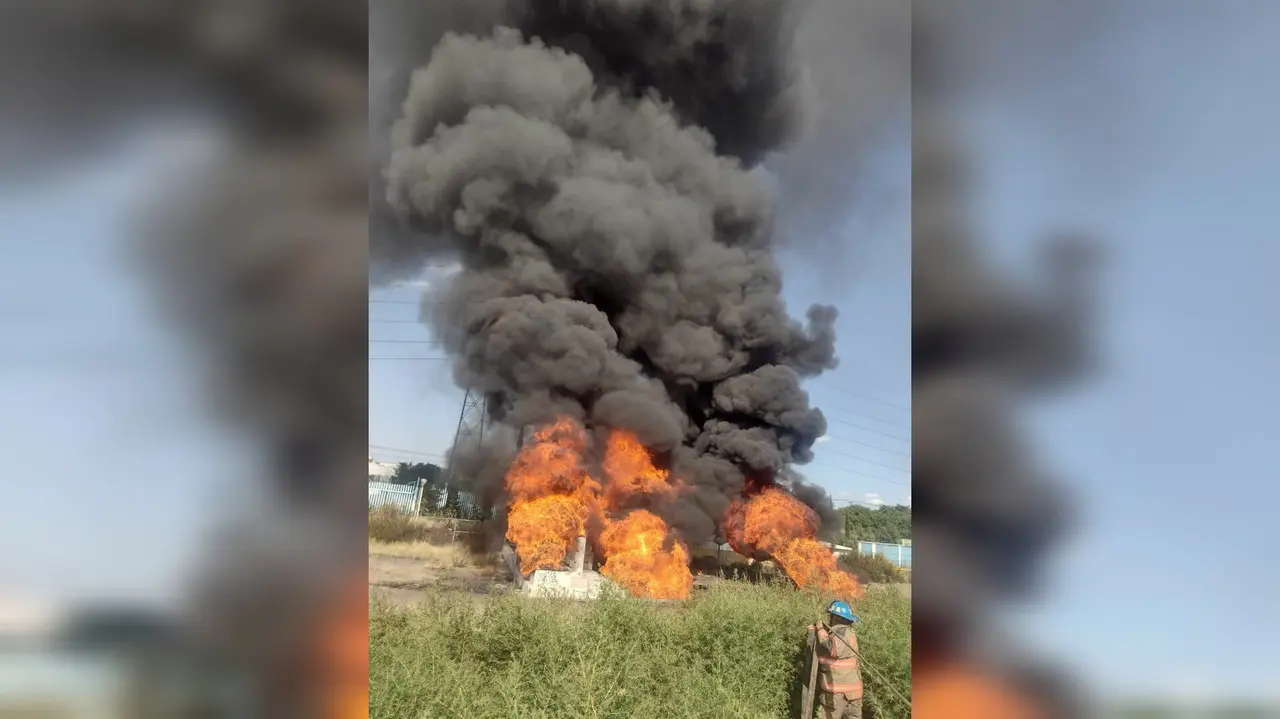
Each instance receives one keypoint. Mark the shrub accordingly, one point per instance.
(871, 568)
(735, 650)
(389, 524)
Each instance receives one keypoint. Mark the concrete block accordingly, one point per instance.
(572, 585)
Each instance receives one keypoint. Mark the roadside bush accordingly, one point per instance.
(735, 650)
(871, 569)
(389, 524)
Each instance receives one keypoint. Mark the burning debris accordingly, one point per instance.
(772, 523)
(556, 500)
(593, 169)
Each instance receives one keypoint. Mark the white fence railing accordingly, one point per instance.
(404, 498)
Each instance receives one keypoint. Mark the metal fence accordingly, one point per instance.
(899, 555)
(404, 497)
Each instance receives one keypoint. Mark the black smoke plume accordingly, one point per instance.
(594, 168)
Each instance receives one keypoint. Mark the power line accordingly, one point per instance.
(870, 461)
(873, 399)
(398, 450)
(858, 413)
(855, 472)
(405, 342)
(872, 446)
(868, 429)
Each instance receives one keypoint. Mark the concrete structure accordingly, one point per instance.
(380, 471)
(838, 549)
(572, 585)
(899, 555)
(512, 563)
(578, 581)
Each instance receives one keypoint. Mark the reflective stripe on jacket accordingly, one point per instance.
(838, 662)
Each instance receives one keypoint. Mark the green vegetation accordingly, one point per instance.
(439, 498)
(735, 650)
(886, 524)
(433, 490)
(871, 568)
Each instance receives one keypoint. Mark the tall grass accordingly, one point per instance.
(390, 524)
(733, 651)
(871, 568)
(439, 556)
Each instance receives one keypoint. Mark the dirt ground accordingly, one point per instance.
(401, 579)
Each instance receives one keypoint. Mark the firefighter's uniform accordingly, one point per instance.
(839, 677)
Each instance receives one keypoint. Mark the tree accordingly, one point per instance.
(887, 524)
(412, 473)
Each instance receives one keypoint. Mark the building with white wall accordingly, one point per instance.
(380, 471)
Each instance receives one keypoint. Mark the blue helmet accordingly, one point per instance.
(841, 609)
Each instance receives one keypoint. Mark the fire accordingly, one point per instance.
(553, 495)
(812, 564)
(631, 472)
(776, 524)
(545, 529)
(556, 500)
(551, 463)
(645, 558)
(772, 518)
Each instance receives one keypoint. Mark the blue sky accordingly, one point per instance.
(111, 466)
(1169, 586)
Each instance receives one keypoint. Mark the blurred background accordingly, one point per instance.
(182, 188)
(1142, 128)
(180, 396)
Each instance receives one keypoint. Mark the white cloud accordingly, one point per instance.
(823, 438)
(420, 283)
(873, 498)
(908, 500)
(430, 276)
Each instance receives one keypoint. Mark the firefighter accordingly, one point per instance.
(839, 677)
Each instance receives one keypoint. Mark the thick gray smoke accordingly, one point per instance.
(593, 167)
(846, 61)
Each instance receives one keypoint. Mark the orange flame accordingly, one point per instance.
(812, 564)
(544, 529)
(556, 500)
(645, 558)
(631, 472)
(776, 524)
(553, 495)
(551, 463)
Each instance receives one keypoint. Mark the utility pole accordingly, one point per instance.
(471, 426)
